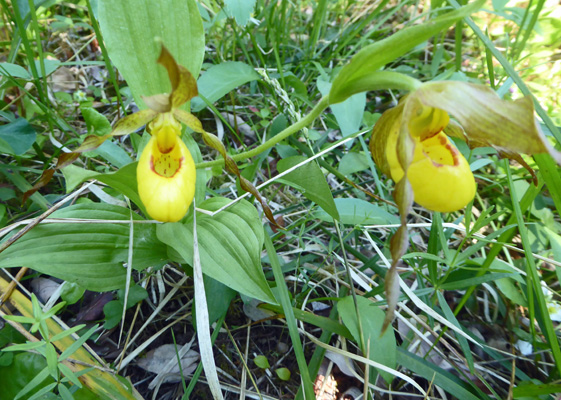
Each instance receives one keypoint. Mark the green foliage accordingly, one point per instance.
(17, 137)
(240, 10)
(130, 28)
(310, 180)
(359, 212)
(326, 71)
(283, 373)
(230, 244)
(114, 309)
(221, 79)
(262, 362)
(357, 75)
(91, 255)
(32, 370)
(379, 348)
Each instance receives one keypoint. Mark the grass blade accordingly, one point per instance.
(290, 319)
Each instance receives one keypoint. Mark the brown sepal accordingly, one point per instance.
(183, 84)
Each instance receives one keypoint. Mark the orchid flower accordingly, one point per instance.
(410, 144)
(166, 171)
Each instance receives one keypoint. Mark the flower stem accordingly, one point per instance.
(292, 129)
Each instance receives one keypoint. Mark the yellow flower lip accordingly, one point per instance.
(166, 181)
(440, 176)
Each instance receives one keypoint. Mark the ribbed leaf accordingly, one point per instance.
(230, 246)
(90, 254)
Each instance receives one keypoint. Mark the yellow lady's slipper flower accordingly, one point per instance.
(439, 174)
(166, 171)
(409, 145)
(410, 137)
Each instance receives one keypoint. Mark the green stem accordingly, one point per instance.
(291, 130)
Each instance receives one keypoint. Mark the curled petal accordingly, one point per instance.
(132, 122)
(168, 62)
(183, 84)
(188, 119)
(159, 102)
(166, 181)
(388, 123)
(186, 90)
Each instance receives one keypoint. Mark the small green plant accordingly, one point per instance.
(65, 380)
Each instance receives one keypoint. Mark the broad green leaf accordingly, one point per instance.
(221, 79)
(71, 293)
(113, 153)
(347, 113)
(123, 180)
(509, 289)
(14, 70)
(355, 76)
(8, 334)
(240, 10)
(74, 176)
(113, 312)
(230, 246)
(89, 254)
(359, 212)
(24, 368)
(17, 137)
(96, 123)
(310, 180)
(129, 28)
(50, 67)
(283, 373)
(217, 305)
(353, 162)
(382, 348)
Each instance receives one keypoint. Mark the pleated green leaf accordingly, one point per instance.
(230, 244)
(89, 254)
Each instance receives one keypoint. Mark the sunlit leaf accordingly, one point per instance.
(240, 10)
(311, 180)
(221, 79)
(129, 30)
